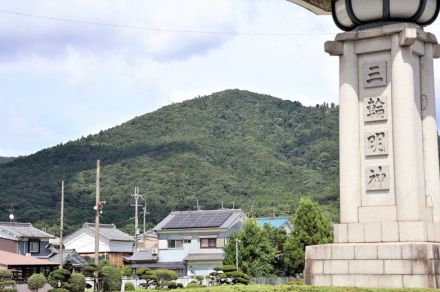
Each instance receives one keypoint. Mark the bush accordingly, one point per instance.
(128, 286)
(59, 276)
(36, 281)
(194, 285)
(77, 282)
(111, 278)
(59, 290)
(126, 271)
(6, 282)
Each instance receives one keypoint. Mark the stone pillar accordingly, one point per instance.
(389, 235)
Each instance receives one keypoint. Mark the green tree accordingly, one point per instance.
(311, 226)
(165, 276)
(111, 278)
(277, 237)
(77, 282)
(147, 275)
(256, 254)
(6, 282)
(36, 281)
(59, 278)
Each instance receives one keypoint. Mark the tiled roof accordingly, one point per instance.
(13, 259)
(110, 231)
(142, 256)
(69, 255)
(274, 222)
(25, 230)
(205, 257)
(163, 265)
(202, 219)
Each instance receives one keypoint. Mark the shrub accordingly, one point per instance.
(128, 286)
(58, 290)
(194, 285)
(164, 276)
(36, 281)
(77, 282)
(6, 282)
(111, 278)
(126, 271)
(59, 276)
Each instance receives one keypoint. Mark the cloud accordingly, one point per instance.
(49, 38)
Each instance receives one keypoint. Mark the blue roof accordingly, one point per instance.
(274, 222)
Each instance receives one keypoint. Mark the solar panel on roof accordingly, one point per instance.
(198, 220)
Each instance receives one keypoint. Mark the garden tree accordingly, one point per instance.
(6, 282)
(59, 278)
(111, 278)
(228, 274)
(311, 226)
(127, 271)
(165, 276)
(77, 282)
(68, 266)
(256, 254)
(148, 275)
(277, 237)
(36, 281)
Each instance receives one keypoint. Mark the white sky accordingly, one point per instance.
(61, 80)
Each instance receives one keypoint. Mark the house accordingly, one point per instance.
(114, 244)
(24, 239)
(278, 222)
(24, 266)
(191, 242)
(69, 256)
(147, 241)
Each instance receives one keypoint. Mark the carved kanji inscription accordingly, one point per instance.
(376, 143)
(375, 109)
(375, 74)
(377, 178)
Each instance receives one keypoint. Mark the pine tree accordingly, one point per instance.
(311, 226)
(256, 254)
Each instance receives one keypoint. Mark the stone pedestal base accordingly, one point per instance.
(374, 265)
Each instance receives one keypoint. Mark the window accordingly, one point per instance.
(208, 242)
(175, 243)
(34, 246)
(187, 241)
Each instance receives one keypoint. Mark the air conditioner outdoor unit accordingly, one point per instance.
(28, 254)
(154, 251)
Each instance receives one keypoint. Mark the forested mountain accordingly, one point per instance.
(255, 151)
(6, 159)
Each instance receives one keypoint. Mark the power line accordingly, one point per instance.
(162, 29)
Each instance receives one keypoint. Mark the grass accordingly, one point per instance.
(283, 288)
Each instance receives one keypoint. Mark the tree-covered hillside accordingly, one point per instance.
(237, 147)
(6, 159)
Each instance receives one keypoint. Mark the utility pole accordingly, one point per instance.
(222, 205)
(62, 225)
(237, 241)
(136, 197)
(198, 207)
(145, 216)
(97, 208)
